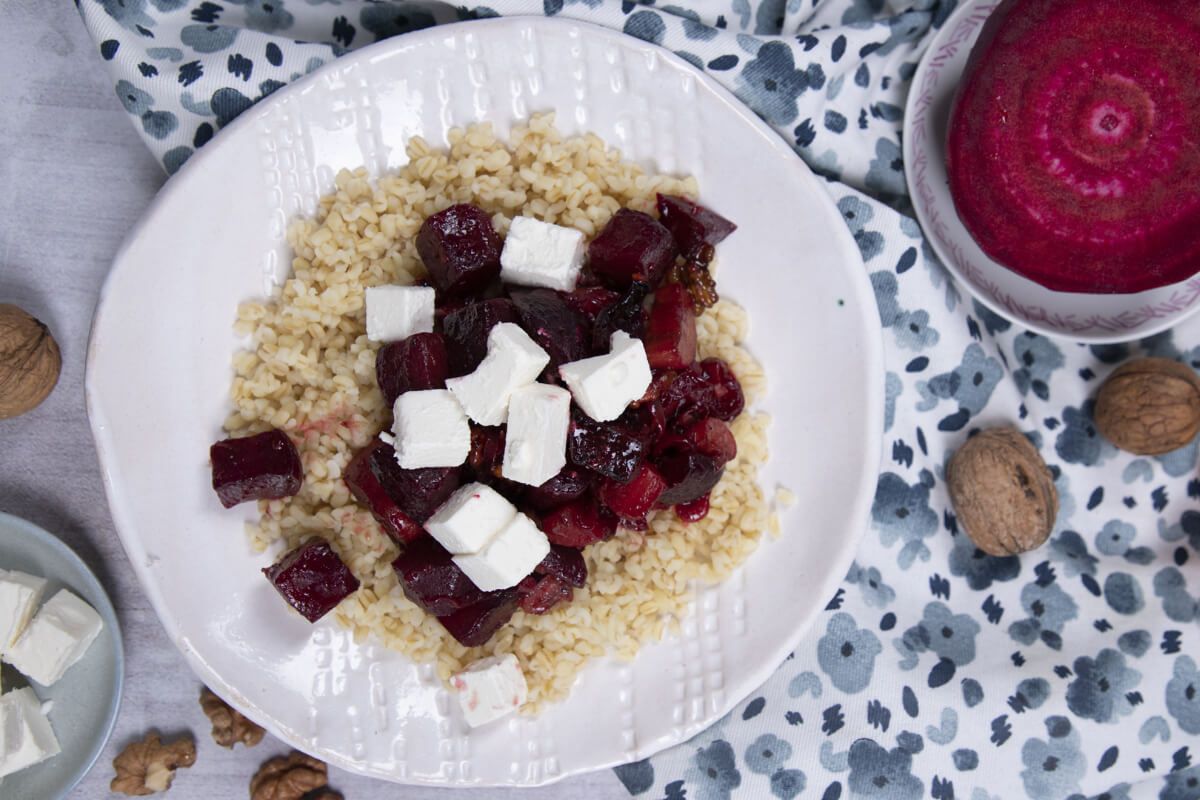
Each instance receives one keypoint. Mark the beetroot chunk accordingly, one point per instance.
(565, 563)
(671, 330)
(691, 224)
(416, 492)
(478, 622)
(544, 594)
(362, 479)
(312, 579)
(557, 328)
(690, 475)
(467, 328)
(261, 467)
(632, 247)
(591, 300)
(432, 580)
(1072, 148)
(633, 499)
(605, 448)
(579, 524)
(713, 438)
(571, 483)
(412, 364)
(627, 314)
(460, 249)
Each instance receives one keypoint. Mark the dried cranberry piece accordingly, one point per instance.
(548, 592)
(632, 247)
(478, 622)
(579, 524)
(571, 483)
(713, 438)
(565, 563)
(466, 330)
(312, 579)
(460, 249)
(671, 329)
(432, 580)
(607, 449)
(688, 475)
(627, 314)
(691, 224)
(412, 364)
(727, 399)
(362, 479)
(693, 510)
(559, 329)
(634, 499)
(591, 300)
(265, 466)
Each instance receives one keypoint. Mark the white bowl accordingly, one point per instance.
(1090, 318)
(159, 371)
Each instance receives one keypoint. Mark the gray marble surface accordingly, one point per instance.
(74, 177)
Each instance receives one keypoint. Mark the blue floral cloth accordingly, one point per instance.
(935, 671)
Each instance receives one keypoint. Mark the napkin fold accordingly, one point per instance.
(935, 670)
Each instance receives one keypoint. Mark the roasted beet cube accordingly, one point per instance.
(412, 364)
(688, 474)
(634, 498)
(460, 249)
(478, 622)
(671, 329)
(487, 450)
(578, 524)
(362, 478)
(632, 247)
(627, 314)
(557, 328)
(604, 448)
(565, 563)
(312, 579)
(692, 225)
(261, 467)
(545, 593)
(591, 300)
(571, 483)
(713, 438)
(466, 330)
(432, 580)
(726, 399)
(417, 492)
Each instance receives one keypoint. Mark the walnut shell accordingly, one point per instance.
(1149, 406)
(1002, 491)
(29, 362)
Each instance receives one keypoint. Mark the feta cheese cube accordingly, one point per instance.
(490, 688)
(508, 557)
(538, 253)
(604, 386)
(430, 430)
(59, 635)
(470, 518)
(19, 597)
(535, 446)
(397, 312)
(513, 360)
(26, 737)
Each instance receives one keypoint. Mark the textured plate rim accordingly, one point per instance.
(872, 340)
(922, 211)
(109, 613)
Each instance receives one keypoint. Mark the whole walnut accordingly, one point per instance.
(1149, 406)
(228, 725)
(148, 766)
(289, 777)
(1003, 492)
(29, 361)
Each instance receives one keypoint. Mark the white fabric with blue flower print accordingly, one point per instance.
(936, 671)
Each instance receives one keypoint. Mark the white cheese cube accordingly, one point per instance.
(490, 688)
(397, 312)
(19, 597)
(59, 635)
(26, 737)
(508, 557)
(470, 518)
(538, 253)
(430, 430)
(604, 386)
(513, 360)
(535, 446)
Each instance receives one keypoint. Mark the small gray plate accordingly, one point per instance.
(87, 697)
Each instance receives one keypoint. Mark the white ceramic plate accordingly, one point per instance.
(86, 699)
(159, 373)
(1091, 318)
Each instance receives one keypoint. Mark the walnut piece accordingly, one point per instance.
(289, 777)
(228, 725)
(1002, 491)
(148, 766)
(29, 362)
(1149, 406)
